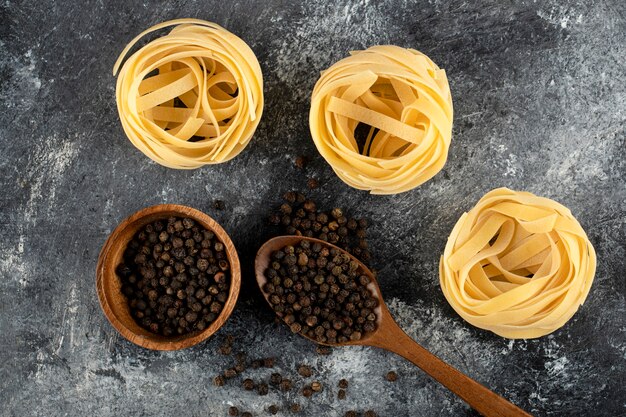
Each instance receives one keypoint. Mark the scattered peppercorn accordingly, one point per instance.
(299, 216)
(301, 161)
(219, 381)
(307, 391)
(268, 362)
(391, 376)
(305, 371)
(323, 350)
(273, 409)
(323, 296)
(230, 373)
(248, 384)
(343, 383)
(295, 408)
(276, 378)
(312, 183)
(370, 413)
(233, 411)
(225, 350)
(285, 385)
(262, 388)
(341, 394)
(316, 386)
(219, 205)
(172, 278)
(255, 364)
(240, 357)
(350, 414)
(246, 414)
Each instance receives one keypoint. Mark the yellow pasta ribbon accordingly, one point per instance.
(405, 100)
(192, 97)
(517, 264)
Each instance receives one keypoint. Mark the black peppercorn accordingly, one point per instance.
(191, 316)
(233, 411)
(343, 383)
(248, 384)
(274, 219)
(309, 206)
(272, 409)
(218, 205)
(285, 385)
(262, 389)
(369, 413)
(323, 350)
(285, 209)
(391, 376)
(305, 371)
(246, 414)
(295, 408)
(219, 381)
(276, 378)
(290, 197)
(341, 394)
(300, 161)
(350, 414)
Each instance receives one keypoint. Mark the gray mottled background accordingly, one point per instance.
(540, 99)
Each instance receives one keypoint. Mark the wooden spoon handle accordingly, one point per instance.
(482, 399)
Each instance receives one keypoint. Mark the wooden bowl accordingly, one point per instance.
(108, 284)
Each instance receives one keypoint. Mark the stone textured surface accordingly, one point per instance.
(540, 96)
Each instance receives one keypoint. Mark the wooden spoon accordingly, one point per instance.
(388, 335)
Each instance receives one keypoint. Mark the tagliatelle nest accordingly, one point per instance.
(405, 100)
(517, 264)
(191, 97)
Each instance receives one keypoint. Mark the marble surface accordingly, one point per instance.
(540, 97)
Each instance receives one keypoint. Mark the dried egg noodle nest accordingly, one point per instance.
(404, 98)
(517, 264)
(212, 72)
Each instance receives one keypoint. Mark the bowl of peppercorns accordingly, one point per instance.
(168, 277)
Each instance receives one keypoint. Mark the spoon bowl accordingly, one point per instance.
(388, 335)
(263, 260)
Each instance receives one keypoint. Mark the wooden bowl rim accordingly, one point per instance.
(104, 264)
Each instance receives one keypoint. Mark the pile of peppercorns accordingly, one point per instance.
(304, 381)
(300, 216)
(176, 276)
(318, 291)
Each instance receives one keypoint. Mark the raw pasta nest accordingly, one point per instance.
(517, 264)
(404, 98)
(191, 97)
